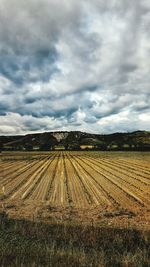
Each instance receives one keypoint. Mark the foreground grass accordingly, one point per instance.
(24, 243)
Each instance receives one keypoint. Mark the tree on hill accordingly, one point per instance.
(49, 143)
(28, 147)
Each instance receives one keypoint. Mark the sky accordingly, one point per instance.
(79, 65)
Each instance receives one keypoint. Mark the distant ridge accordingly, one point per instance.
(76, 140)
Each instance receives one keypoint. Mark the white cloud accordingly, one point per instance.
(74, 65)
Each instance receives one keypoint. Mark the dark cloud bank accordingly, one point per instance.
(74, 65)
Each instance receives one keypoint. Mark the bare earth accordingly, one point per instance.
(104, 188)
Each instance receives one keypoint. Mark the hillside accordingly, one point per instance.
(76, 140)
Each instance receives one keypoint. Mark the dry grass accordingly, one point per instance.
(25, 243)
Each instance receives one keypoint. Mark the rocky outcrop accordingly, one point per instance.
(60, 135)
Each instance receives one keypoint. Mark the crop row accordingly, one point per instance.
(77, 179)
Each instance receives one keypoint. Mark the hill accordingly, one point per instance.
(76, 140)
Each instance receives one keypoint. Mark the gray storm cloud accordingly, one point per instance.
(68, 65)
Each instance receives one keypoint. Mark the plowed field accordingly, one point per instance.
(113, 186)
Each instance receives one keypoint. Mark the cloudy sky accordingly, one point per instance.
(74, 65)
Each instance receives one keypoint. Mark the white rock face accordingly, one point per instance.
(60, 136)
